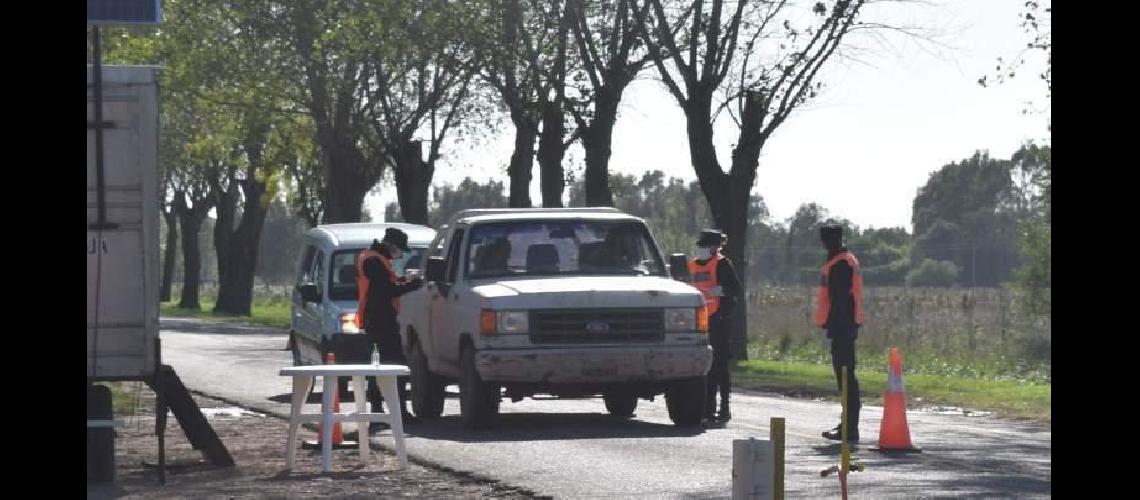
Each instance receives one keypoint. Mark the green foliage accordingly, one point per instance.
(933, 273)
(1034, 276)
(468, 194)
(967, 213)
(282, 237)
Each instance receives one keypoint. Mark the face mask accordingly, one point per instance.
(705, 253)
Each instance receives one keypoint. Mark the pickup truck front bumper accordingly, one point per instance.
(596, 364)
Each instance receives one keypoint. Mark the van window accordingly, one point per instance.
(319, 272)
(342, 276)
(305, 266)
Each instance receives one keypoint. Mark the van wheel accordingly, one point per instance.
(620, 403)
(685, 399)
(427, 387)
(478, 400)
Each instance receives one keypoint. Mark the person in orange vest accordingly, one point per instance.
(712, 273)
(378, 303)
(839, 310)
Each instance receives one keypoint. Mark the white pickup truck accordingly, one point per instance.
(568, 302)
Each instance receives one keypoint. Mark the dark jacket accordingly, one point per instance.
(379, 312)
(841, 316)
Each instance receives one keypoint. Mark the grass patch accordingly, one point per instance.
(124, 396)
(1009, 398)
(272, 312)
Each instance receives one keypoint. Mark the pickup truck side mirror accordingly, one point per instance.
(309, 292)
(679, 267)
(436, 269)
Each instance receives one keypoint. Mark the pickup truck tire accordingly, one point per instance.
(685, 399)
(620, 403)
(427, 387)
(478, 400)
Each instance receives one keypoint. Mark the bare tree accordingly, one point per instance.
(769, 62)
(522, 53)
(611, 53)
(329, 56)
(419, 78)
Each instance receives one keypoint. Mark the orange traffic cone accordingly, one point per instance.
(337, 431)
(894, 433)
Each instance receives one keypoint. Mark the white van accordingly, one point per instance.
(325, 295)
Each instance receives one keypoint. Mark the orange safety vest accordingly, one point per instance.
(823, 301)
(704, 278)
(362, 284)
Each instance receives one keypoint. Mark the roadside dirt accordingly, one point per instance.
(257, 444)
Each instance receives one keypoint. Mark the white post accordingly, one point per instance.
(752, 469)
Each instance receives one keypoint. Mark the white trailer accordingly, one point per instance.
(122, 225)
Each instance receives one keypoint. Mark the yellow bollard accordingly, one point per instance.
(845, 466)
(777, 435)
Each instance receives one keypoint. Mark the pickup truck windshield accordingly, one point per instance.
(342, 278)
(562, 247)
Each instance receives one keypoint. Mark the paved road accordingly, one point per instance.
(572, 449)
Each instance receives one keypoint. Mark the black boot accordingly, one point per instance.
(409, 416)
(725, 414)
(710, 409)
(836, 434)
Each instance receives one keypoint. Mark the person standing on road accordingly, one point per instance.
(379, 291)
(839, 310)
(712, 273)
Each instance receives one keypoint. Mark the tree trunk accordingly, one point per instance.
(736, 227)
(597, 140)
(734, 213)
(551, 177)
(522, 161)
(235, 291)
(550, 148)
(727, 196)
(237, 251)
(169, 253)
(413, 179)
(190, 224)
(345, 188)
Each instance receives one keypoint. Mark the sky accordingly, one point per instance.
(861, 149)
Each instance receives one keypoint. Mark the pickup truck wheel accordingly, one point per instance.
(685, 399)
(427, 387)
(478, 400)
(620, 403)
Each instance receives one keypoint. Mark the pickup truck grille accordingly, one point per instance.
(596, 326)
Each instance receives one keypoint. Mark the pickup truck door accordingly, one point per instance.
(444, 330)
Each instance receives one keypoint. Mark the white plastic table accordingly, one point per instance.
(303, 378)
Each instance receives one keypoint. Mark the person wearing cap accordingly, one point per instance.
(379, 291)
(839, 311)
(712, 273)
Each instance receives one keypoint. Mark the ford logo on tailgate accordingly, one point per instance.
(597, 327)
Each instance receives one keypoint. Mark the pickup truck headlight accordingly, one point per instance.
(348, 323)
(681, 320)
(503, 322)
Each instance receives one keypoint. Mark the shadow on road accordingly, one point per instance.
(979, 467)
(546, 427)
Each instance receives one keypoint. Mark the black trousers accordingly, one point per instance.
(843, 354)
(718, 378)
(385, 338)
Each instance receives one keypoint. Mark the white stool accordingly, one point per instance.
(303, 377)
